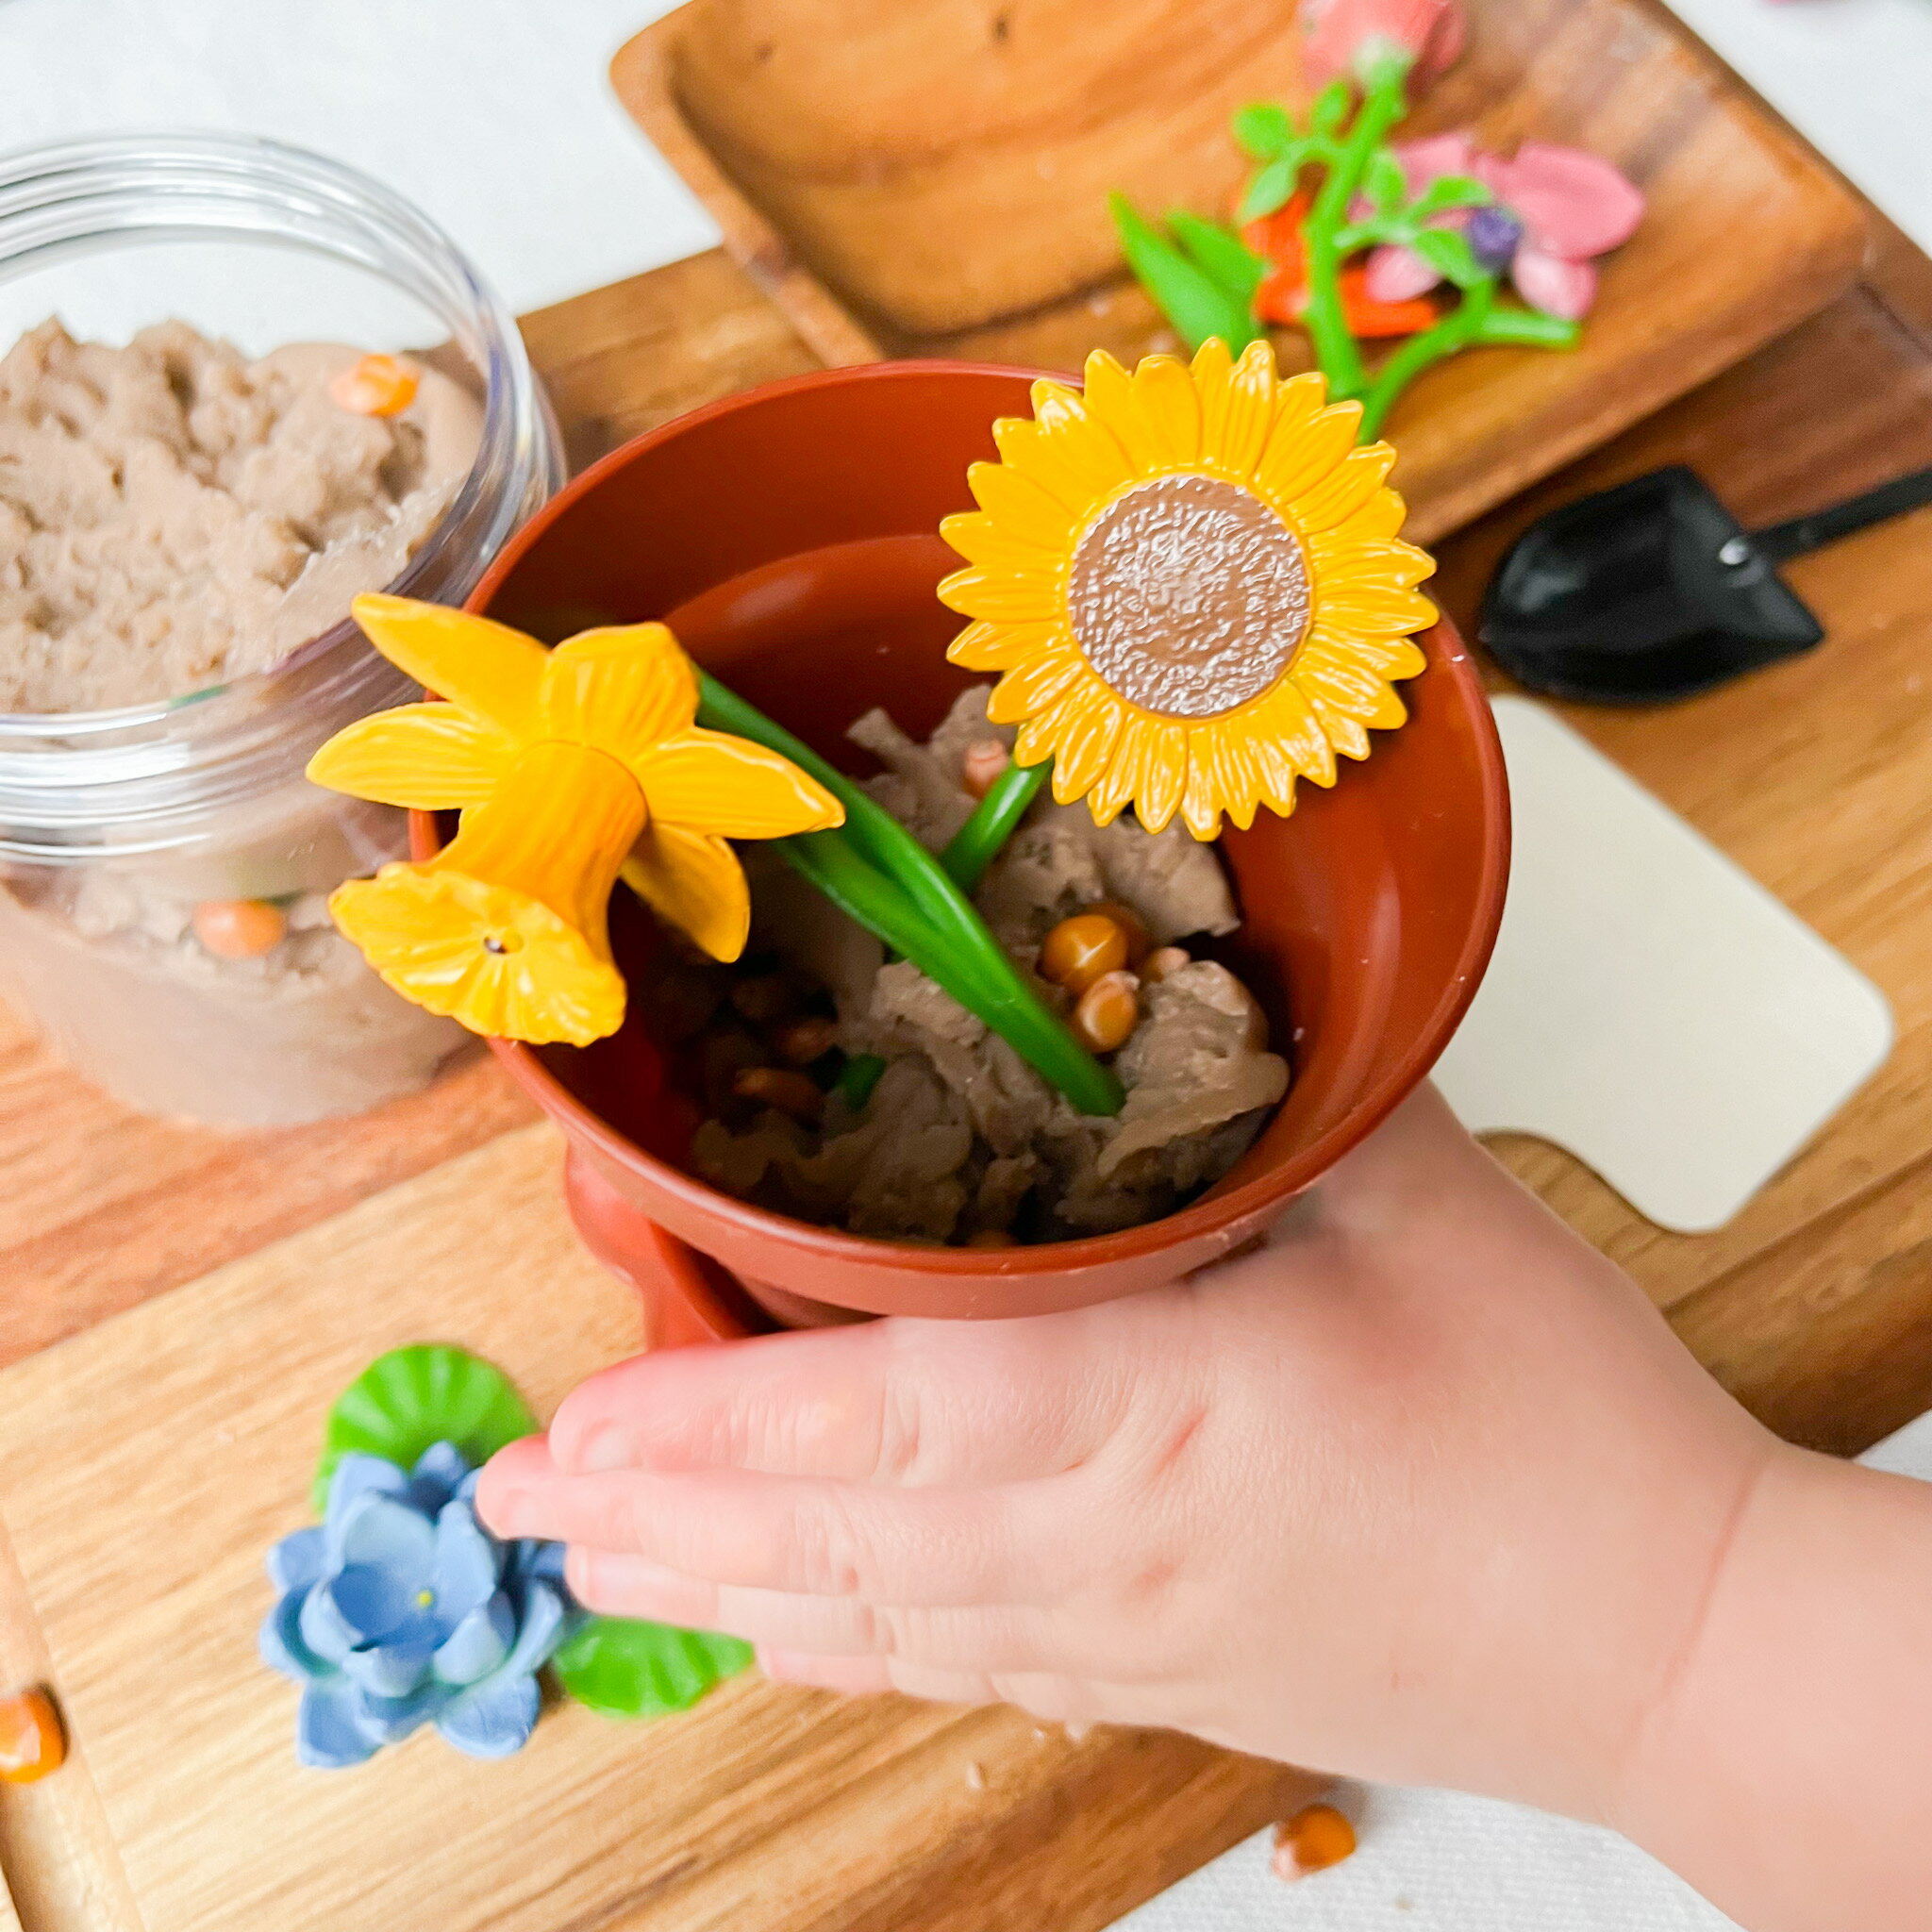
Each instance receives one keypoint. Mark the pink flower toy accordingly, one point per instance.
(1353, 238)
(1556, 210)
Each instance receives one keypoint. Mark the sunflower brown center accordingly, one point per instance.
(1188, 595)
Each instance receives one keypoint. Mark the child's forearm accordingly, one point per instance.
(1790, 1773)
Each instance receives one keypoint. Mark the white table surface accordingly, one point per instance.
(494, 115)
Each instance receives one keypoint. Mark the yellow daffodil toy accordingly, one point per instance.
(569, 766)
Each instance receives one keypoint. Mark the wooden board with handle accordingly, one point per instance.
(146, 1467)
(839, 147)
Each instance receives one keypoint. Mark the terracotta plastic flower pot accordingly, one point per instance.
(787, 535)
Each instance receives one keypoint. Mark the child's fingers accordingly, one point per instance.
(889, 1546)
(1002, 1638)
(898, 1402)
(854, 1676)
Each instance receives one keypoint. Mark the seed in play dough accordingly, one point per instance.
(375, 386)
(31, 1743)
(239, 928)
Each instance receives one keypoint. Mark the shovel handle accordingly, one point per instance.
(1802, 534)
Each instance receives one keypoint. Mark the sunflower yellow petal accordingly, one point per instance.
(708, 781)
(1340, 560)
(1238, 413)
(1351, 688)
(429, 758)
(1020, 508)
(1299, 399)
(696, 883)
(1163, 774)
(1301, 454)
(1034, 685)
(1383, 515)
(1286, 718)
(1373, 610)
(1277, 773)
(1113, 402)
(620, 689)
(1239, 766)
(1348, 735)
(1201, 797)
(1344, 490)
(992, 646)
(1064, 449)
(1392, 658)
(487, 669)
(1169, 406)
(1001, 596)
(1121, 778)
(1086, 724)
(982, 539)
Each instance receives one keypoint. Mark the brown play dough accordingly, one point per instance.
(173, 516)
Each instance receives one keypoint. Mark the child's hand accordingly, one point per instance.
(1424, 1490)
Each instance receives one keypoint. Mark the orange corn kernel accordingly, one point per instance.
(31, 1741)
(1109, 1012)
(801, 1041)
(788, 1091)
(1161, 962)
(1138, 939)
(1315, 1838)
(375, 386)
(1078, 950)
(982, 761)
(239, 928)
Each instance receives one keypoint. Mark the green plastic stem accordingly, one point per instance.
(1384, 104)
(1461, 327)
(977, 842)
(874, 869)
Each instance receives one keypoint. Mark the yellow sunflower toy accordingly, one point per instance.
(1190, 580)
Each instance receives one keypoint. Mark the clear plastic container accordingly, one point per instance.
(120, 830)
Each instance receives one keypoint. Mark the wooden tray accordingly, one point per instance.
(1747, 234)
(146, 1466)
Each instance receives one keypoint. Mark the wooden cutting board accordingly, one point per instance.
(837, 141)
(145, 1467)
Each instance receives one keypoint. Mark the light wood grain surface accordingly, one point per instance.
(814, 135)
(1816, 1306)
(146, 1467)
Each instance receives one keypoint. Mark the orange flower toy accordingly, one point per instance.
(1191, 581)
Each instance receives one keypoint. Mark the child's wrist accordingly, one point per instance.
(1800, 1716)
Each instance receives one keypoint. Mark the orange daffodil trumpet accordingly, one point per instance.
(570, 766)
(1191, 581)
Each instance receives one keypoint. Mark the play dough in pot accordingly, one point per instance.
(954, 1138)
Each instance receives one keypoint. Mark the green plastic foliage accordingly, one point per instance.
(874, 869)
(1189, 293)
(407, 1400)
(624, 1667)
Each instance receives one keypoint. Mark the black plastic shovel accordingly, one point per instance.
(1654, 591)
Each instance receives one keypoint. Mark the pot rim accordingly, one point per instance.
(1221, 1207)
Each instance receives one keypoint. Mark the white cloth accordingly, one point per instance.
(1437, 1861)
